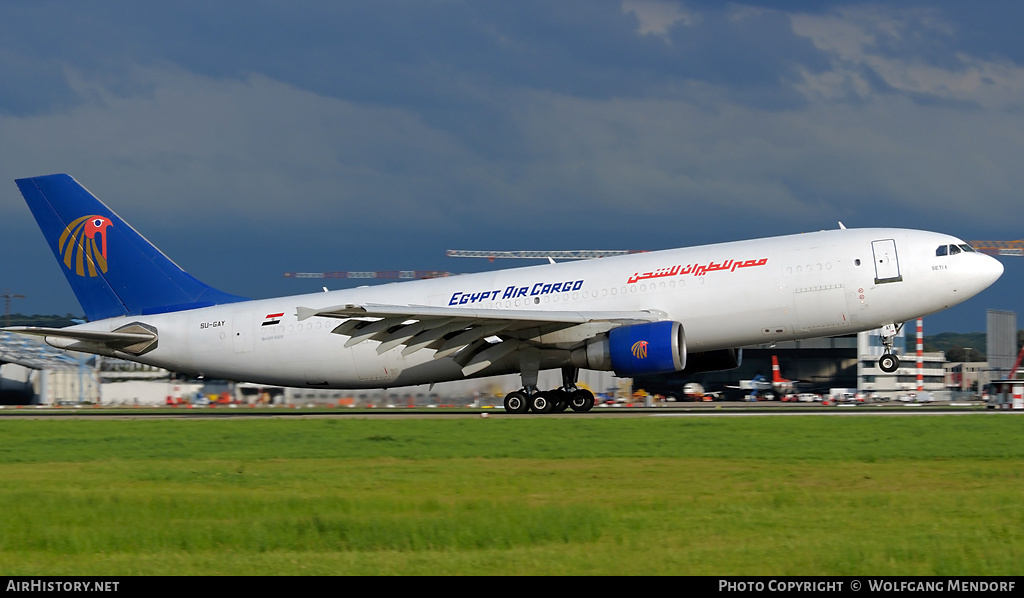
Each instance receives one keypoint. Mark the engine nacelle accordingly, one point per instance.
(713, 361)
(652, 348)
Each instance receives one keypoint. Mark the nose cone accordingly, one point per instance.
(990, 270)
(980, 273)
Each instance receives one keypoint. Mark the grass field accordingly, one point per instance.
(807, 495)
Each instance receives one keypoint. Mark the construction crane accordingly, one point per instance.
(583, 254)
(386, 274)
(1016, 365)
(577, 254)
(1013, 248)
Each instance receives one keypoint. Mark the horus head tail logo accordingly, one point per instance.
(640, 349)
(79, 247)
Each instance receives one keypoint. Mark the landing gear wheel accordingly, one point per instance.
(516, 402)
(889, 363)
(581, 400)
(542, 402)
(560, 398)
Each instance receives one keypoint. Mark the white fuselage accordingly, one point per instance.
(725, 295)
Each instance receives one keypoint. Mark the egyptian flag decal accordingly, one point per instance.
(272, 319)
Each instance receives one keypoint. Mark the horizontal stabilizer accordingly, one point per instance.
(134, 338)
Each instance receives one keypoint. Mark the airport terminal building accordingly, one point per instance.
(32, 372)
(851, 362)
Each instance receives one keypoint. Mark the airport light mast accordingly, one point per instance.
(7, 305)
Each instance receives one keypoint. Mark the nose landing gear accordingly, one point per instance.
(889, 363)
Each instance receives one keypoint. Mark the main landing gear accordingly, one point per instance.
(569, 396)
(889, 363)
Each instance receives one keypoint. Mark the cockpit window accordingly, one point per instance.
(954, 249)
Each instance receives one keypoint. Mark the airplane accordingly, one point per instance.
(757, 388)
(780, 384)
(759, 385)
(758, 382)
(680, 310)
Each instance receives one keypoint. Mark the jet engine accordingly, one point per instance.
(651, 348)
(713, 361)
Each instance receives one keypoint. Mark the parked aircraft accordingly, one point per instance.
(759, 386)
(680, 310)
(780, 384)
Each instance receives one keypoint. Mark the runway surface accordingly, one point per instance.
(685, 410)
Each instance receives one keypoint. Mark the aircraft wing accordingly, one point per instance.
(517, 315)
(464, 333)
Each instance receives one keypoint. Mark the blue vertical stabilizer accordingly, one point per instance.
(113, 270)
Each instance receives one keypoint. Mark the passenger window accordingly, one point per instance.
(953, 250)
(941, 250)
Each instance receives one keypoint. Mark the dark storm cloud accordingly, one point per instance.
(355, 135)
(424, 54)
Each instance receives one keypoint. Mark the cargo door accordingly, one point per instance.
(887, 265)
(818, 308)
